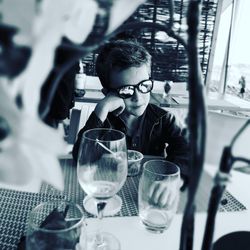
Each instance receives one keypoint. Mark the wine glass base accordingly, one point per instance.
(113, 206)
(102, 241)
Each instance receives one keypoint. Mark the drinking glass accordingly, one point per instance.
(56, 225)
(158, 195)
(134, 162)
(102, 170)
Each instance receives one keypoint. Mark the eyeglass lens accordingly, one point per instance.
(128, 91)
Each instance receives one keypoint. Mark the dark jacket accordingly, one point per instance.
(158, 129)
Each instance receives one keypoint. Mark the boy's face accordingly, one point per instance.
(136, 104)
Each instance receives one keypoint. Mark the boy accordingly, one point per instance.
(124, 69)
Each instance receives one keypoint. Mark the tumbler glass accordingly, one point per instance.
(56, 225)
(158, 194)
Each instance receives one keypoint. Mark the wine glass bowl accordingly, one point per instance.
(102, 166)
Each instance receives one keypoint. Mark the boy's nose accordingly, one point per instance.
(136, 96)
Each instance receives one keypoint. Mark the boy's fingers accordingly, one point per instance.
(163, 194)
(168, 198)
(172, 197)
(152, 191)
(118, 111)
(158, 190)
(164, 197)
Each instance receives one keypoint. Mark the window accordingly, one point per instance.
(230, 53)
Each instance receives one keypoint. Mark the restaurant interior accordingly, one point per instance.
(49, 88)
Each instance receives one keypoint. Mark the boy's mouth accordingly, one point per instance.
(137, 107)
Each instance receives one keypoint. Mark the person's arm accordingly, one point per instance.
(92, 122)
(110, 103)
(178, 147)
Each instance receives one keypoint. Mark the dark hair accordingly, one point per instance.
(120, 55)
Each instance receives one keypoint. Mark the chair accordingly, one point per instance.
(221, 128)
(78, 118)
(73, 125)
(86, 110)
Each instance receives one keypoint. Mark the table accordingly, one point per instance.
(212, 103)
(15, 206)
(132, 236)
(175, 101)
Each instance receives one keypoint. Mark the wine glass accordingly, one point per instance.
(102, 170)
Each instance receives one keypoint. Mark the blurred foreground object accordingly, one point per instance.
(29, 149)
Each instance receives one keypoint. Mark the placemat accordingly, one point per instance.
(129, 193)
(14, 209)
(15, 206)
(74, 192)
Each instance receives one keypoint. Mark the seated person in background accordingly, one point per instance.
(124, 69)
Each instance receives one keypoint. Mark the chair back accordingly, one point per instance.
(78, 118)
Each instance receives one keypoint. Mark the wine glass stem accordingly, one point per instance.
(100, 209)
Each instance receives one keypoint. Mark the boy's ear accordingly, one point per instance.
(105, 91)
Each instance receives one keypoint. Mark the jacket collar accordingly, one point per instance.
(154, 113)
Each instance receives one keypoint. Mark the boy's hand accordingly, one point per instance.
(164, 194)
(110, 103)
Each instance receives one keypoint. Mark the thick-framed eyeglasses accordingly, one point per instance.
(128, 91)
